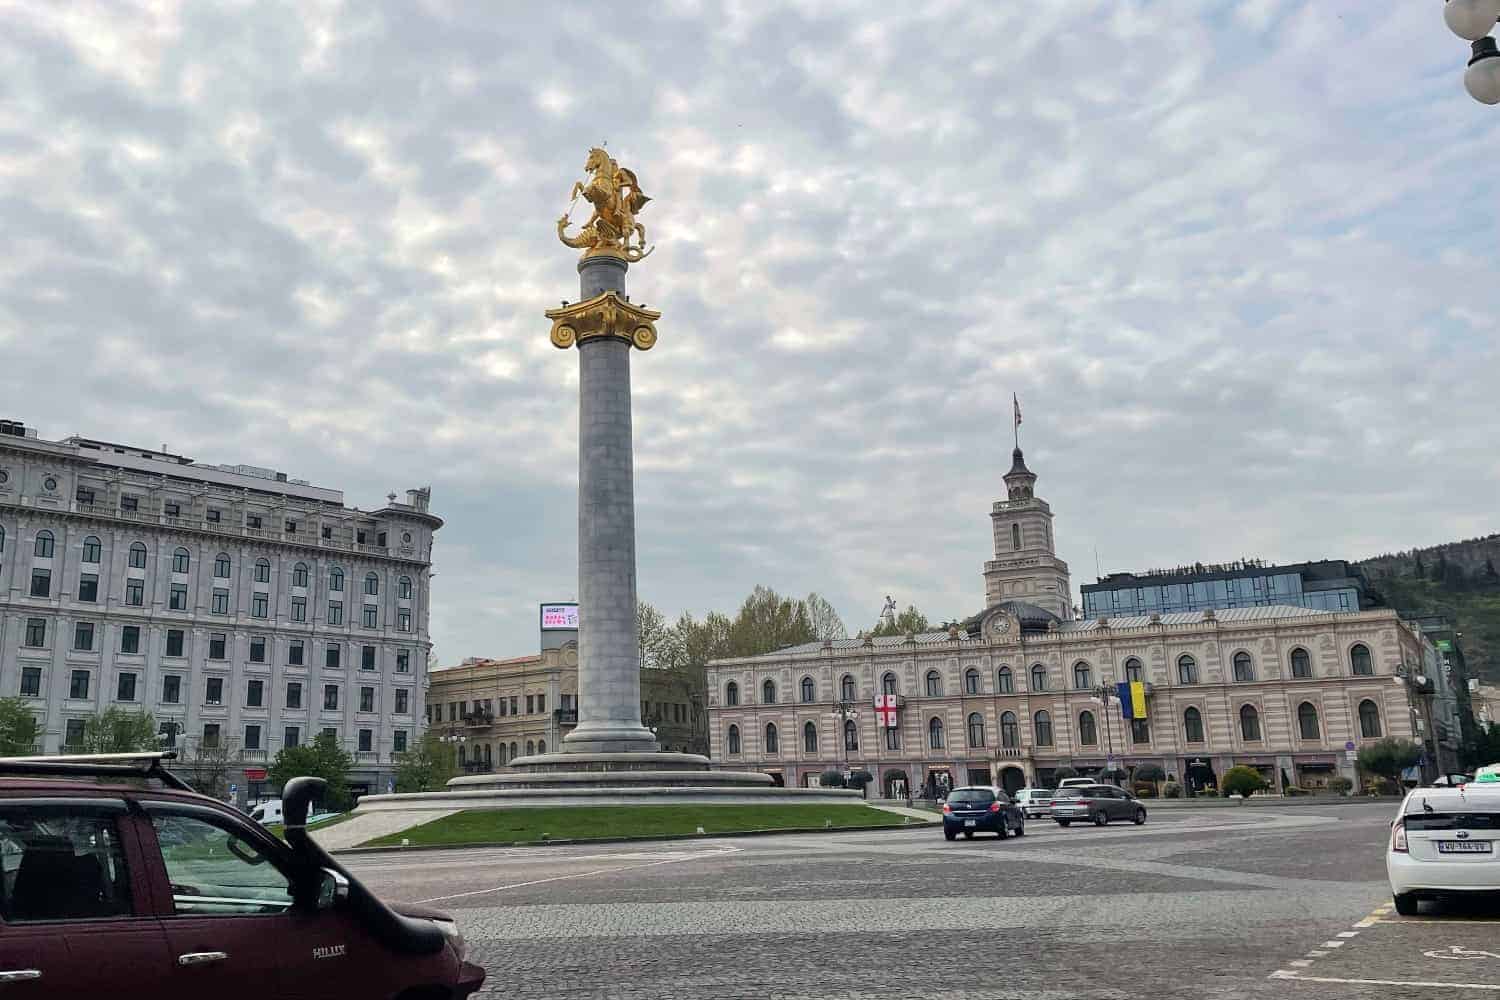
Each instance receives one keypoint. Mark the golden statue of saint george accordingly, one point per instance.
(616, 197)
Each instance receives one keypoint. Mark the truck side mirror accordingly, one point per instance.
(333, 889)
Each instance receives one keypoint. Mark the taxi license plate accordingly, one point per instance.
(969, 822)
(1465, 846)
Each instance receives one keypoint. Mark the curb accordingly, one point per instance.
(1272, 802)
(574, 842)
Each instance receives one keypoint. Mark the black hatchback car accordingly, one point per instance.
(972, 809)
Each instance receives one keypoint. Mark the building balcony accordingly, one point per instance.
(1011, 753)
(479, 720)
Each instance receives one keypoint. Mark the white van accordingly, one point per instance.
(267, 812)
(1078, 782)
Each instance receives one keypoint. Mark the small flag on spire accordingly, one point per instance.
(1017, 403)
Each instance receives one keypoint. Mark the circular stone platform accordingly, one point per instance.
(593, 779)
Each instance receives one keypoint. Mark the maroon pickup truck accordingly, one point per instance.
(120, 881)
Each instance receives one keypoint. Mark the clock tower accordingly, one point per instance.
(1025, 567)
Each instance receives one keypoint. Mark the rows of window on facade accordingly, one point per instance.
(1309, 725)
(1299, 660)
(254, 598)
(484, 710)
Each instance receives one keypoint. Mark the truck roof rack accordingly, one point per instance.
(112, 765)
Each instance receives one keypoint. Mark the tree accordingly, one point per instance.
(116, 730)
(824, 619)
(1063, 772)
(1242, 780)
(1440, 568)
(427, 766)
(1419, 568)
(767, 622)
(322, 758)
(1150, 772)
(208, 767)
(909, 621)
(1491, 577)
(19, 732)
(1389, 757)
(660, 644)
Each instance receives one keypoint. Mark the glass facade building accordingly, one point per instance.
(1333, 585)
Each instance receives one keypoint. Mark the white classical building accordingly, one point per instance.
(1012, 694)
(239, 607)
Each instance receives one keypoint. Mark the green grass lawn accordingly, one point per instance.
(491, 826)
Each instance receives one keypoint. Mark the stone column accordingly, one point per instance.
(609, 679)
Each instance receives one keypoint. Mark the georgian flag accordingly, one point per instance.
(885, 710)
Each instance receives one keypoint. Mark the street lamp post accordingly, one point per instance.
(456, 738)
(1102, 693)
(1473, 20)
(844, 709)
(1419, 687)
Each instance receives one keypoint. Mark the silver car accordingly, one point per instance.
(1036, 803)
(1096, 804)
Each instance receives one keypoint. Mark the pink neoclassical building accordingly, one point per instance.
(1013, 693)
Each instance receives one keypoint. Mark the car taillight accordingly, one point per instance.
(947, 808)
(1398, 837)
(1084, 802)
(994, 807)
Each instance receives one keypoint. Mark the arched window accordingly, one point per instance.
(768, 692)
(1010, 731)
(976, 729)
(1359, 660)
(809, 689)
(262, 571)
(181, 561)
(91, 549)
(1015, 536)
(1249, 724)
(541, 746)
(851, 735)
(299, 575)
(1192, 725)
(1042, 726)
(771, 738)
(887, 684)
(514, 751)
(221, 566)
(1083, 677)
(530, 747)
(846, 687)
(502, 755)
(1301, 663)
(44, 542)
(1187, 670)
(137, 556)
(372, 584)
(403, 588)
(935, 733)
(1307, 720)
(810, 738)
(732, 693)
(1004, 682)
(1244, 669)
(1038, 678)
(971, 681)
(734, 740)
(463, 755)
(336, 579)
(1140, 730)
(1088, 731)
(934, 684)
(1369, 720)
(1133, 670)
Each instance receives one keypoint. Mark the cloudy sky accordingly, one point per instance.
(1238, 260)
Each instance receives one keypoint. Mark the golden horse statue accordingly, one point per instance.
(616, 197)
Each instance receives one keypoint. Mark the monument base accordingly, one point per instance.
(595, 779)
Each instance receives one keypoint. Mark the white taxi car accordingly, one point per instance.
(1445, 841)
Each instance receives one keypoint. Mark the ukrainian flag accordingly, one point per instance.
(1132, 696)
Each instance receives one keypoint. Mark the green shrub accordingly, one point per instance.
(1150, 772)
(1293, 791)
(1340, 785)
(832, 778)
(1063, 772)
(1242, 780)
(1171, 790)
(1145, 790)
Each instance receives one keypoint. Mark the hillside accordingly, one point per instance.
(1458, 580)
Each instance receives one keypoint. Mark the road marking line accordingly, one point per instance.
(1326, 944)
(1348, 934)
(1367, 922)
(1300, 963)
(1284, 974)
(1437, 920)
(555, 878)
(1315, 953)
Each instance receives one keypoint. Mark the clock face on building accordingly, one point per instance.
(1000, 627)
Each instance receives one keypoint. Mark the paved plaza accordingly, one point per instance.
(1197, 903)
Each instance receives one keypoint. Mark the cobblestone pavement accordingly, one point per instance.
(1218, 904)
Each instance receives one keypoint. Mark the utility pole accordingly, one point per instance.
(1102, 694)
